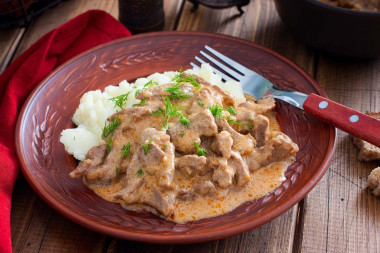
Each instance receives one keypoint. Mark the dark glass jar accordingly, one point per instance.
(142, 15)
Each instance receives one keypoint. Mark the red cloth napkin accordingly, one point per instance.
(81, 33)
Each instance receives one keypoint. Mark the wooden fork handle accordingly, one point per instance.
(344, 118)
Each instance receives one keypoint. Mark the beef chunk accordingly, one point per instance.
(277, 149)
(261, 130)
(204, 188)
(158, 158)
(184, 194)
(153, 157)
(183, 137)
(223, 144)
(190, 165)
(241, 168)
(225, 171)
(374, 181)
(149, 177)
(94, 158)
(244, 144)
(223, 175)
(226, 98)
(202, 99)
(110, 154)
(152, 134)
(283, 147)
(146, 194)
(262, 106)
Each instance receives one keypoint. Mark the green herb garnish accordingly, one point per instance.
(146, 147)
(250, 124)
(126, 150)
(179, 78)
(216, 110)
(117, 169)
(120, 100)
(231, 110)
(146, 86)
(200, 103)
(231, 120)
(109, 144)
(184, 121)
(182, 133)
(200, 151)
(176, 93)
(142, 102)
(139, 172)
(171, 111)
(108, 129)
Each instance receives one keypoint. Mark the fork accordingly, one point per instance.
(335, 114)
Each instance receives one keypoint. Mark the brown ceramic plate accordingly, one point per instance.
(51, 105)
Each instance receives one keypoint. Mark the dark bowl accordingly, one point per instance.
(332, 29)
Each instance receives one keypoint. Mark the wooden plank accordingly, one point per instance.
(340, 214)
(43, 229)
(23, 207)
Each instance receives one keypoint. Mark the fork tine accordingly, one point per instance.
(222, 66)
(224, 76)
(195, 66)
(229, 61)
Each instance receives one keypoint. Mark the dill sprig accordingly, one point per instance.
(216, 110)
(171, 111)
(146, 147)
(250, 124)
(140, 172)
(186, 78)
(146, 86)
(159, 112)
(201, 103)
(184, 120)
(182, 133)
(126, 150)
(176, 93)
(117, 169)
(142, 102)
(231, 110)
(120, 100)
(200, 151)
(109, 144)
(108, 129)
(231, 120)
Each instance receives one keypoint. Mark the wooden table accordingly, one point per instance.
(338, 215)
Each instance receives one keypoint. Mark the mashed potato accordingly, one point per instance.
(95, 107)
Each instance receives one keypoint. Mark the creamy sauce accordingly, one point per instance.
(263, 182)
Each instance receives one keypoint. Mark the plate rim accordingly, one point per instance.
(173, 238)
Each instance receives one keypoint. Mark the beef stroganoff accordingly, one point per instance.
(182, 145)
